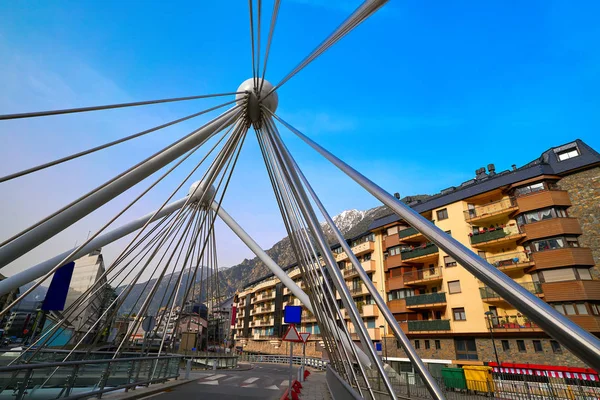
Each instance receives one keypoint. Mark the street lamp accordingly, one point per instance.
(489, 315)
(383, 340)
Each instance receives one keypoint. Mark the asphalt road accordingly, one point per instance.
(265, 381)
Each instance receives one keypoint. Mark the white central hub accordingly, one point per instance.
(256, 98)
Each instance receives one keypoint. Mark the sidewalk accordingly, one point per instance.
(315, 387)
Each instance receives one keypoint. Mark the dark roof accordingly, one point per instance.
(546, 164)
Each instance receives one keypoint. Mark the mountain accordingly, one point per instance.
(350, 222)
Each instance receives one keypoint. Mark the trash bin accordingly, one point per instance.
(454, 378)
(479, 378)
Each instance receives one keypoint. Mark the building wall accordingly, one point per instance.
(266, 347)
(485, 351)
(584, 191)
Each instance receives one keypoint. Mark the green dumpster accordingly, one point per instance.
(454, 378)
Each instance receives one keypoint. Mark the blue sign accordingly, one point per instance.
(378, 346)
(292, 314)
(56, 296)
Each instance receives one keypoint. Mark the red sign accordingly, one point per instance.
(292, 335)
(304, 336)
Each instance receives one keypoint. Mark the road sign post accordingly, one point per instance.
(304, 336)
(292, 315)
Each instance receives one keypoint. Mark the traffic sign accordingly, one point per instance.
(304, 336)
(292, 335)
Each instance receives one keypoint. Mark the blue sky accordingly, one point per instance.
(417, 97)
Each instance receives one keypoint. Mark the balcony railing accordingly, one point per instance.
(511, 322)
(407, 232)
(429, 298)
(490, 209)
(494, 234)
(508, 260)
(489, 293)
(424, 250)
(431, 325)
(350, 271)
(426, 274)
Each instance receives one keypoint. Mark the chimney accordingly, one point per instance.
(480, 173)
(492, 169)
(397, 195)
(514, 167)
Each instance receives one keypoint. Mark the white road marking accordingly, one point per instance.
(209, 383)
(285, 383)
(250, 380)
(272, 387)
(213, 377)
(231, 378)
(250, 386)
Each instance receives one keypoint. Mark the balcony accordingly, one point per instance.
(421, 253)
(369, 310)
(490, 296)
(590, 323)
(374, 333)
(264, 297)
(512, 323)
(429, 300)
(391, 240)
(358, 290)
(368, 266)
(494, 211)
(496, 237)
(543, 199)
(398, 306)
(562, 258)
(429, 326)
(308, 316)
(397, 282)
(263, 322)
(360, 249)
(572, 291)
(510, 262)
(552, 227)
(264, 309)
(392, 262)
(423, 276)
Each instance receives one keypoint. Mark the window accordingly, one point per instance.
(417, 344)
(367, 257)
(572, 242)
(370, 323)
(392, 231)
(449, 233)
(595, 309)
(537, 346)
(555, 346)
(466, 349)
(521, 346)
(581, 309)
(536, 187)
(394, 251)
(558, 242)
(438, 344)
(569, 309)
(459, 314)
(442, 214)
(449, 261)
(505, 345)
(454, 287)
(400, 294)
(568, 153)
(427, 344)
(584, 274)
(558, 275)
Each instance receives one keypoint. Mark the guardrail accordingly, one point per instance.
(86, 378)
(296, 360)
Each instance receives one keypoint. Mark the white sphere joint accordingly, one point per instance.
(196, 191)
(256, 99)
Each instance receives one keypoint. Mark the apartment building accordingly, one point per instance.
(539, 224)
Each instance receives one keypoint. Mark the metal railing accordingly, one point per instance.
(314, 362)
(423, 274)
(488, 293)
(429, 298)
(429, 325)
(490, 208)
(86, 378)
(494, 234)
(424, 250)
(498, 386)
(511, 322)
(407, 232)
(507, 260)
